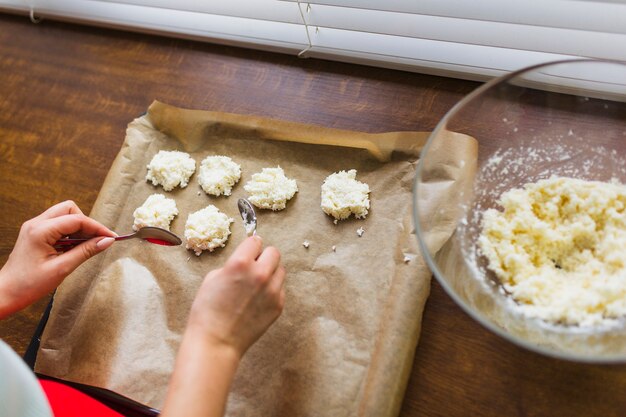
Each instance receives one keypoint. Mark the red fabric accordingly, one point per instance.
(68, 402)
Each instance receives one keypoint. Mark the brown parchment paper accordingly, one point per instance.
(345, 342)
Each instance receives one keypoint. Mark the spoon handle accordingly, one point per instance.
(63, 245)
(150, 234)
(68, 243)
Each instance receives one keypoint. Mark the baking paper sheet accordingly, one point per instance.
(345, 342)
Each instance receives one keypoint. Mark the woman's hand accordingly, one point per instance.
(35, 268)
(233, 308)
(237, 303)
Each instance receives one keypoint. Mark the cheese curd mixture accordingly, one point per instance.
(170, 169)
(271, 189)
(218, 175)
(156, 211)
(343, 195)
(559, 249)
(207, 229)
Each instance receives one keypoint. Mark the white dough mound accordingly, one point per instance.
(218, 174)
(171, 169)
(271, 189)
(156, 211)
(207, 229)
(343, 195)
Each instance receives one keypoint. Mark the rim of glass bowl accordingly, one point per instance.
(430, 261)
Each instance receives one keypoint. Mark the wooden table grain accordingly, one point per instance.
(67, 93)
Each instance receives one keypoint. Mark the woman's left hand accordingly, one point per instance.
(35, 268)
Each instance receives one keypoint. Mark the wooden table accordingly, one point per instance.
(67, 93)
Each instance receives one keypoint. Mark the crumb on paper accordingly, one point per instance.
(334, 248)
(156, 211)
(306, 244)
(199, 193)
(188, 259)
(360, 231)
(335, 221)
(218, 175)
(408, 257)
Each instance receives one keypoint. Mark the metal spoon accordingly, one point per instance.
(248, 215)
(150, 234)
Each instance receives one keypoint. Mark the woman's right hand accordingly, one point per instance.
(238, 302)
(234, 306)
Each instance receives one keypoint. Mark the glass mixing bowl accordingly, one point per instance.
(565, 118)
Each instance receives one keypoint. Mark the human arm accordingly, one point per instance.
(34, 267)
(234, 306)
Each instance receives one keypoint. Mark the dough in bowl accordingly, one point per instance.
(271, 189)
(171, 169)
(558, 249)
(218, 174)
(207, 229)
(343, 195)
(156, 211)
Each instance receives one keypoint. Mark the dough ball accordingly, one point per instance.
(218, 174)
(207, 229)
(156, 211)
(271, 189)
(343, 195)
(170, 169)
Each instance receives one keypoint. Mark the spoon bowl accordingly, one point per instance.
(154, 235)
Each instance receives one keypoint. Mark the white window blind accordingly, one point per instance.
(471, 39)
(264, 24)
(474, 39)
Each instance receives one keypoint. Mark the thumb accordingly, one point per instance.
(71, 259)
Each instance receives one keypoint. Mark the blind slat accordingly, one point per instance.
(216, 28)
(504, 35)
(484, 60)
(17, 5)
(566, 14)
(270, 10)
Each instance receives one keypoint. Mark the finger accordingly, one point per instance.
(65, 207)
(70, 260)
(248, 250)
(268, 261)
(277, 287)
(277, 281)
(58, 227)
